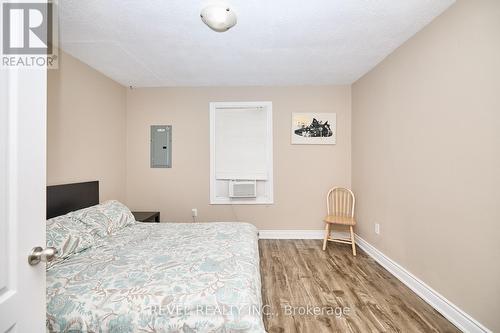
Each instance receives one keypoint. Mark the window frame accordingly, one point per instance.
(269, 183)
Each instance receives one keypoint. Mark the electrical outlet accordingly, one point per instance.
(194, 212)
(377, 228)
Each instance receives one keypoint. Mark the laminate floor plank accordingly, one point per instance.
(306, 289)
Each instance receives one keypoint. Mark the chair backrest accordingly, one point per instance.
(340, 201)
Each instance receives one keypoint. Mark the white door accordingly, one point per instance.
(22, 198)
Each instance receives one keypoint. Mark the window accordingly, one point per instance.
(241, 151)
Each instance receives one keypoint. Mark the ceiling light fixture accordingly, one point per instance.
(218, 18)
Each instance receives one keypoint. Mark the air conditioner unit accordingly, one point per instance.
(242, 189)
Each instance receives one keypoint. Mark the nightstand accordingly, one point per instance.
(153, 217)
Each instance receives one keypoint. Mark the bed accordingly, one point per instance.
(126, 276)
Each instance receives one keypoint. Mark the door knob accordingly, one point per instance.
(39, 254)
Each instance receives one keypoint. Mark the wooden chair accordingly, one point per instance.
(340, 207)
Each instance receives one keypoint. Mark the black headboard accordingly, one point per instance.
(62, 199)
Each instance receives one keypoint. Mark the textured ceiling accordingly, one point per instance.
(276, 42)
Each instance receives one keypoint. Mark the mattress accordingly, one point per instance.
(166, 277)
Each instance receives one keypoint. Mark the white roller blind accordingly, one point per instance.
(241, 143)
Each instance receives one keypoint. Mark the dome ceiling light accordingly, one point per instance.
(218, 18)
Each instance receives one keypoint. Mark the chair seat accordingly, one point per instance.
(343, 220)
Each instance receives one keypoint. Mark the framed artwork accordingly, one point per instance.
(314, 128)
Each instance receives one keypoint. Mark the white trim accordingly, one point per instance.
(449, 310)
(291, 234)
(269, 199)
(298, 234)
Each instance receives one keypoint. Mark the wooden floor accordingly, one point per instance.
(349, 294)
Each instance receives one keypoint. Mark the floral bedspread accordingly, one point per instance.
(166, 277)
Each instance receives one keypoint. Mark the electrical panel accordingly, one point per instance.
(161, 146)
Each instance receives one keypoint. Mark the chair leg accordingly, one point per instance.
(353, 242)
(327, 234)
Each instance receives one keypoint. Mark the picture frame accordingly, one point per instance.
(314, 128)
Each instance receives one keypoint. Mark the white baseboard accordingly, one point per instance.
(449, 310)
(298, 234)
(291, 234)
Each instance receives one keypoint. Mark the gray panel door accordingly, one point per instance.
(161, 146)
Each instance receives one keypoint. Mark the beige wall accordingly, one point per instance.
(426, 157)
(303, 174)
(86, 128)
